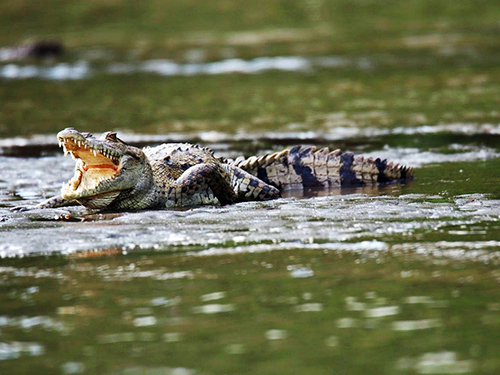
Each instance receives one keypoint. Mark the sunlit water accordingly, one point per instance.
(10, 69)
(81, 70)
(84, 69)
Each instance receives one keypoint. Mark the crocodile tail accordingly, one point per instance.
(308, 167)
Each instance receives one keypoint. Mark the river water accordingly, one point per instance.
(390, 279)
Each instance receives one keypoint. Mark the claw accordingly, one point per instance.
(21, 208)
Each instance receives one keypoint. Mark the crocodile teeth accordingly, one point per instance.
(94, 152)
(72, 156)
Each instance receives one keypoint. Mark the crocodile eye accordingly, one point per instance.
(110, 136)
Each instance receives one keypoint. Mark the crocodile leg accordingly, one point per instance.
(198, 178)
(56, 201)
(249, 187)
(53, 202)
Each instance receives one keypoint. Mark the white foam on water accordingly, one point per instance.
(445, 362)
(144, 321)
(69, 368)
(30, 322)
(214, 308)
(414, 325)
(172, 337)
(309, 307)
(16, 349)
(347, 323)
(276, 334)
(213, 296)
(301, 272)
(357, 246)
(414, 157)
(165, 302)
(58, 72)
(134, 370)
(82, 69)
(383, 311)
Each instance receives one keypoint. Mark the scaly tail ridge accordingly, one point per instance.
(307, 167)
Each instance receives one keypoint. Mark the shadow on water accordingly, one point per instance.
(391, 189)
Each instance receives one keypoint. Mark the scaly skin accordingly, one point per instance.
(307, 167)
(113, 176)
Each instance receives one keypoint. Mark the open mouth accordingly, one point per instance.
(95, 164)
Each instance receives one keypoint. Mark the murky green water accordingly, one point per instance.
(288, 312)
(394, 279)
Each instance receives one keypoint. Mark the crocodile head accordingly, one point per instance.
(107, 170)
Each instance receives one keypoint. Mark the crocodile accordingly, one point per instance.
(111, 175)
